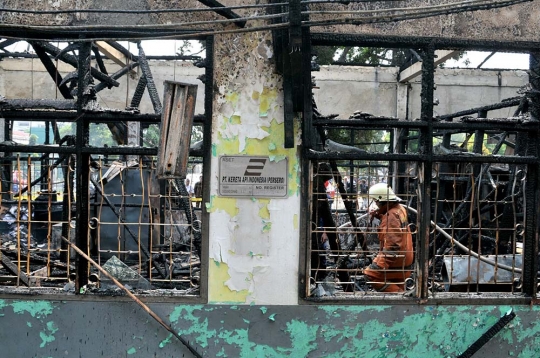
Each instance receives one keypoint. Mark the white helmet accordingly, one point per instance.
(382, 192)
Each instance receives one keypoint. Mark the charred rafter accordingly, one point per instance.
(124, 70)
(99, 59)
(510, 102)
(227, 13)
(72, 60)
(152, 91)
(6, 43)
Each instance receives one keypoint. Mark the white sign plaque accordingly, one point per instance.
(242, 176)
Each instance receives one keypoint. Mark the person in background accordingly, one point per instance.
(198, 191)
(393, 263)
(363, 191)
(18, 180)
(330, 192)
(346, 184)
(189, 188)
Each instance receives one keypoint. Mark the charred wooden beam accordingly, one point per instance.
(116, 75)
(510, 102)
(15, 270)
(17, 55)
(121, 150)
(7, 42)
(288, 105)
(425, 168)
(532, 192)
(227, 13)
(99, 60)
(468, 124)
(20, 104)
(85, 94)
(52, 70)
(175, 58)
(72, 60)
(534, 80)
(152, 91)
(295, 55)
(69, 48)
(57, 78)
(91, 116)
(139, 92)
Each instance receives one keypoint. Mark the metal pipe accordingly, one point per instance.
(469, 251)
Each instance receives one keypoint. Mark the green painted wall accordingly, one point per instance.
(38, 328)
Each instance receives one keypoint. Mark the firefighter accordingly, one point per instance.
(393, 263)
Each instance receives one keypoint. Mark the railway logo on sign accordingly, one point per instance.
(255, 167)
(241, 176)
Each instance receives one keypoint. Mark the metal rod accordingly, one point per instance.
(145, 251)
(134, 298)
(490, 333)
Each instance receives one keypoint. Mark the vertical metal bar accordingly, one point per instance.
(307, 114)
(295, 54)
(82, 166)
(207, 160)
(532, 191)
(308, 140)
(425, 147)
(288, 111)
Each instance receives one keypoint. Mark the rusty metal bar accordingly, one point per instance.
(123, 221)
(134, 298)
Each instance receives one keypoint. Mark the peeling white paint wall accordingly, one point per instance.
(254, 242)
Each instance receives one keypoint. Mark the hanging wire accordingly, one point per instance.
(112, 32)
(409, 14)
(395, 9)
(342, 2)
(156, 11)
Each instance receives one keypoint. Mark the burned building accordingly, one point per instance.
(99, 234)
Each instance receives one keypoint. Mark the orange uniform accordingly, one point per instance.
(393, 263)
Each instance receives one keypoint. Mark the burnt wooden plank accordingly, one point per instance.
(15, 270)
(176, 124)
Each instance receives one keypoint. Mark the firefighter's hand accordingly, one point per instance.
(374, 214)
